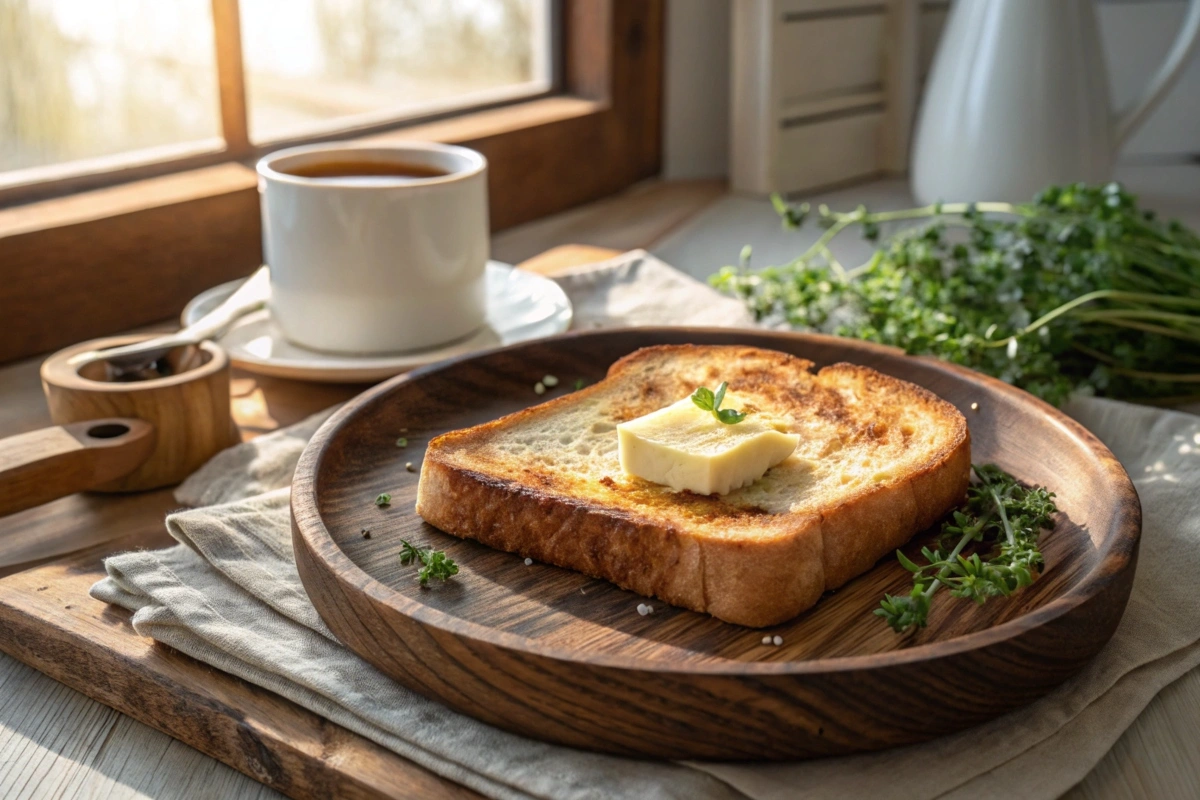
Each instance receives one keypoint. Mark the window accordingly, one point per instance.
(90, 85)
(363, 61)
(152, 198)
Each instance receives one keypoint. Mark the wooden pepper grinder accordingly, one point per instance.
(119, 436)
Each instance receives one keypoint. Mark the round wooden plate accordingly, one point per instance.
(558, 656)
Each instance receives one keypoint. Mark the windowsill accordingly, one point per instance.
(231, 177)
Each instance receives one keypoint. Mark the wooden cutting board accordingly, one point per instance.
(48, 621)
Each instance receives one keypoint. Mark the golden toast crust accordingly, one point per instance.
(882, 460)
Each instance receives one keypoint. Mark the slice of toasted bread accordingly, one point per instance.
(879, 459)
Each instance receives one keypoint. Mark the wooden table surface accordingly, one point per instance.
(55, 742)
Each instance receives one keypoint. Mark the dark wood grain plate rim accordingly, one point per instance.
(1119, 544)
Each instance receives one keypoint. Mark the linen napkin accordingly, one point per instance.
(229, 595)
(635, 288)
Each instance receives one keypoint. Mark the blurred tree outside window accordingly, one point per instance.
(341, 58)
(87, 78)
(84, 78)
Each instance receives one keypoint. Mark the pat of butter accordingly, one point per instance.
(686, 447)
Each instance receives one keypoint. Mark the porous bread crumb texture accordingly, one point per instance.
(878, 459)
(858, 430)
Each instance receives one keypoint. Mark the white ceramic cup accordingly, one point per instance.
(377, 264)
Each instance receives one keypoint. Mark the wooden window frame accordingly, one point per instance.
(234, 143)
(104, 260)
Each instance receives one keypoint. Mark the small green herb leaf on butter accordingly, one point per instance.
(729, 416)
(707, 400)
(719, 395)
(703, 398)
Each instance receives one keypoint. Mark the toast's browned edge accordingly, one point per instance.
(635, 553)
(877, 520)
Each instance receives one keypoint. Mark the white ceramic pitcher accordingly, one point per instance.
(1018, 99)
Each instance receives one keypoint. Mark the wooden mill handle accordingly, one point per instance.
(43, 465)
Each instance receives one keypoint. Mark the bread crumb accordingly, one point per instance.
(539, 388)
(643, 609)
(550, 381)
(408, 465)
(766, 640)
(778, 640)
(529, 562)
(974, 406)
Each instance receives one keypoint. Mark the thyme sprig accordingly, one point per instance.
(1080, 290)
(434, 563)
(1002, 520)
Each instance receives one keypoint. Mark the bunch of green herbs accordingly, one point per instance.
(1078, 291)
(1001, 520)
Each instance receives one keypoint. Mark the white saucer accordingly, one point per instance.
(521, 306)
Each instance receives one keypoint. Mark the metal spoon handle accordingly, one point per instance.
(250, 296)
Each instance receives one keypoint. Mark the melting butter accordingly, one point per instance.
(685, 447)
